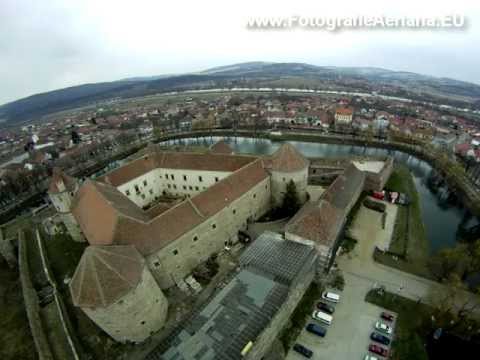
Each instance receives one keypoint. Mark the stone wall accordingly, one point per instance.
(175, 261)
(7, 250)
(135, 316)
(377, 181)
(31, 302)
(66, 330)
(280, 181)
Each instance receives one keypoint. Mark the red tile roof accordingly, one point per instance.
(107, 216)
(288, 159)
(319, 221)
(105, 274)
(344, 111)
(175, 160)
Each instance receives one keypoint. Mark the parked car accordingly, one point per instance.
(316, 329)
(370, 357)
(330, 296)
(377, 349)
(382, 339)
(387, 316)
(329, 309)
(380, 195)
(382, 327)
(322, 317)
(303, 350)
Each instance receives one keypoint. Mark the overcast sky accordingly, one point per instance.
(50, 44)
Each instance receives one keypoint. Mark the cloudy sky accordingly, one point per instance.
(50, 44)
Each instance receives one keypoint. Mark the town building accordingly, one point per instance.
(343, 117)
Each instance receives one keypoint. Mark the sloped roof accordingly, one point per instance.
(342, 190)
(318, 221)
(288, 159)
(105, 274)
(175, 160)
(106, 216)
(97, 208)
(221, 147)
(59, 177)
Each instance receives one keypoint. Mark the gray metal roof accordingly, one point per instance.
(273, 255)
(244, 307)
(237, 315)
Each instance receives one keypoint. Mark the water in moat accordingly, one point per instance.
(443, 214)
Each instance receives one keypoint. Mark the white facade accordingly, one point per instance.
(144, 189)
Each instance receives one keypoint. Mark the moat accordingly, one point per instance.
(443, 214)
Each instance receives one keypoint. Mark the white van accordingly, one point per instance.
(330, 296)
(322, 317)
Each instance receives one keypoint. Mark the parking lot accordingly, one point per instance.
(348, 337)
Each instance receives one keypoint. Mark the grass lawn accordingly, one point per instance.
(16, 341)
(409, 241)
(64, 254)
(300, 315)
(410, 334)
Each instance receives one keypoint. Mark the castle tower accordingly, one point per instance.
(115, 288)
(287, 163)
(61, 191)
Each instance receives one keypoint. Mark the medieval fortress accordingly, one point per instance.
(140, 246)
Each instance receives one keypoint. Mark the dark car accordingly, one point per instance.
(382, 339)
(303, 350)
(329, 309)
(316, 329)
(377, 349)
(387, 316)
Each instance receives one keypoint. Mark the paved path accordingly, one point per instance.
(359, 264)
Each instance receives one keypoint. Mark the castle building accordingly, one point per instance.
(61, 191)
(140, 244)
(222, 193)
(115, 288)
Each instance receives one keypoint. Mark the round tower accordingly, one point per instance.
(61, 191)
(115, 288)
(287, 163)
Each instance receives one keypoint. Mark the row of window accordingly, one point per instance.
(185, 178)
(172, 177)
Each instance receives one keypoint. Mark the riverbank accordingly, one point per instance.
(409, 249)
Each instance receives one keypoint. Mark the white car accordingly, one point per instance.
(370, 357)
(382, 327)
(322, 317)
(330, 296)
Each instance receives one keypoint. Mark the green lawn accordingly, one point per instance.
(410, 331)
(409, 241)
(16, 341)
(64, 254)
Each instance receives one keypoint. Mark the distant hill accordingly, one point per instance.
(247, 74)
